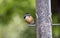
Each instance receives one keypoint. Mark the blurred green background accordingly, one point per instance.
(12, 24)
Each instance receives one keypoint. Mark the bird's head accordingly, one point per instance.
(27, 15)
(28, 18)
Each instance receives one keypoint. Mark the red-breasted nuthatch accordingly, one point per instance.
(28, 18)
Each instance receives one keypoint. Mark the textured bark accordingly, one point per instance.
(43, 17)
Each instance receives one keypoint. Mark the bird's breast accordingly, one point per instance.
(29, 19)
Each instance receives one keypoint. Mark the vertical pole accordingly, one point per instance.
(43, 17)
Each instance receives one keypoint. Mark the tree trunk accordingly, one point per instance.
(43, 17)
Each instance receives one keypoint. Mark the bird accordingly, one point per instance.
(28, 18)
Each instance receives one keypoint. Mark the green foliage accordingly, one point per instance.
(12, 18)
(56, 31)
(10, 7)
(54, 19)
(29, 33)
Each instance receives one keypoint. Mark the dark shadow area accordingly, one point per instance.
(55, 7)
